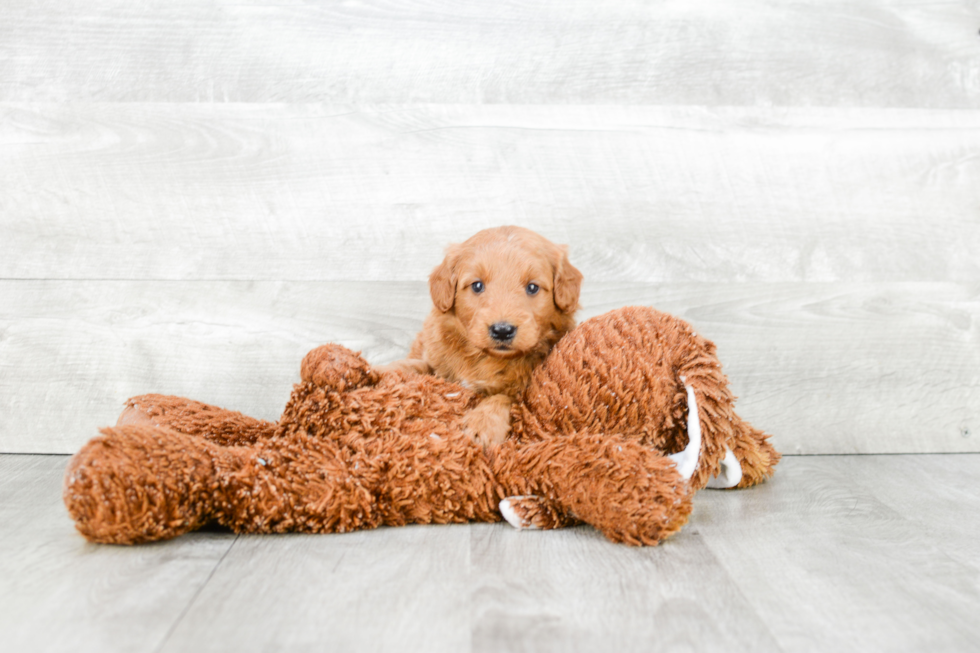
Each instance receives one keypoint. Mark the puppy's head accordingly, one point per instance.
(510, 291)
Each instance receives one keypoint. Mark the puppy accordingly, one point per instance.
(502, 299)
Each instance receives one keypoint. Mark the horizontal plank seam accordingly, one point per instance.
(183, 613)
(29, 453)
(746, 600)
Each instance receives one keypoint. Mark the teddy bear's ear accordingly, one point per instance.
(568, 282)
(442, 281)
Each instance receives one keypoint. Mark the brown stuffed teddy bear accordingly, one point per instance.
(601, 436)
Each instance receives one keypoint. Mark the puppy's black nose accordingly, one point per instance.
(503, 332)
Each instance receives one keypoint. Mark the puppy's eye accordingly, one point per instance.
(532, 289)
(477, 287)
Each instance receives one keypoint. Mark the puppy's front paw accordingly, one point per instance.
(489, 423)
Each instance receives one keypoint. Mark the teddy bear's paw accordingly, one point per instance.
(529, 512)
(337, 368)
(729, 474)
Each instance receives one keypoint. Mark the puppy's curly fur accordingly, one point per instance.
(502, 299)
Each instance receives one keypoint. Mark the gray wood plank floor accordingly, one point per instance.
(843, 553)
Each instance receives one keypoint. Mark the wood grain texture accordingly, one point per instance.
(869, 553)
(837, 553)
(59, 593)
(650, 194)
(946, 491)
(399, 589)
(825, 368)
(879, 53)
(576, 593)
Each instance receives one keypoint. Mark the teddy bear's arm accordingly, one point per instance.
(336, 368)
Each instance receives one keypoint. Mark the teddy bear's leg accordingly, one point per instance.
(139, 483)
(225, 427)
(626, 490)
(733, 454)
(730, 473)
(751, 448)
(299, 482)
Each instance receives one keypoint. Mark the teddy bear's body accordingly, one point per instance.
(355, 449)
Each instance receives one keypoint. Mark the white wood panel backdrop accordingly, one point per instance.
(639, 193)
(875, 53)
(193, 194)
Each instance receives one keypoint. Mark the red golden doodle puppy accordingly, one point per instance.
(502, 299)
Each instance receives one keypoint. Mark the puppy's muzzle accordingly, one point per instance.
(503, 332)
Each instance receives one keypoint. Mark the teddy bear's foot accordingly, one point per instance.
(729, 473)
(736, 454)
(753, 452)
(529, 512)
(138, 484)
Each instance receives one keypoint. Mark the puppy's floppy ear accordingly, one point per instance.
(442, 281)
(568, 282)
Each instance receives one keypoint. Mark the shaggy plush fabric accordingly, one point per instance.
(355, 449)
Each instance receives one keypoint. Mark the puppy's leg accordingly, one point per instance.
(409, 365)
(489, 423)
